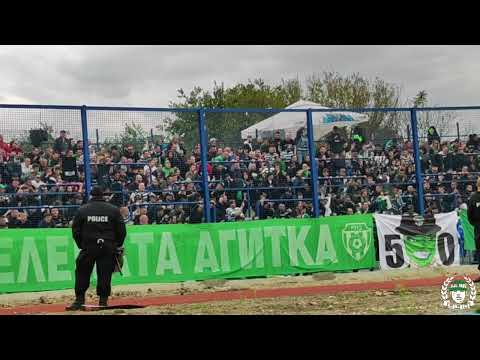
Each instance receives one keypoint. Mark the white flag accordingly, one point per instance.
(406, 241)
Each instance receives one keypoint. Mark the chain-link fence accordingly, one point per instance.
(152, 175)
(166, 166)
(41, 165)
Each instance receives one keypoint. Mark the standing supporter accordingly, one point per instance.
(57, 218)
(115, 154)
(133, 186)
(130, 153)
(167, 168)
(5, 150)
(4, 199)
(126, 216)
(301, 142)
(62, 144)
(432, 135)
(141, 211)
(283, 212)
(277, 142)
(47, 221)
(287, 153)
(140, 196)
(143, 220)
(177, 146)
(221, 205)
(447, 159)
(397, 202)
(336, 141)
(15, 148)
(13, 218)
(26, 167)
(23, 221)
(69, 167)
(3, 222)
(248, 144)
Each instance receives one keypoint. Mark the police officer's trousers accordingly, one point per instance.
(104, 258)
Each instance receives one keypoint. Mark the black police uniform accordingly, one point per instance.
(98, 230)
(473, 213)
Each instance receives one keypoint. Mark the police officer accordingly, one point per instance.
(473, 213)
(99, 232)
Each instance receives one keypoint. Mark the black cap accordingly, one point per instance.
(426, 226)
(97, 191)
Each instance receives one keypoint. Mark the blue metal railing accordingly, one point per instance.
(205, 182)
(202, 126)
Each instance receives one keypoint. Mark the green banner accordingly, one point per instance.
(468, 232)
(44, 259)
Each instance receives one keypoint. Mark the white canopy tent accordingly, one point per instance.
(290, 122)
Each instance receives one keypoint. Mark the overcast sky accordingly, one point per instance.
(150, 75)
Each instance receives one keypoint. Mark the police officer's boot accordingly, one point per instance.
(103, 301)
(77, 304)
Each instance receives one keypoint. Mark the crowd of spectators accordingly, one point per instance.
(255, 179)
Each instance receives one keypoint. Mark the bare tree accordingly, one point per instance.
(353, 91)
(443, 121)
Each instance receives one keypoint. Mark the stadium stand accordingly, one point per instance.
(255, 179)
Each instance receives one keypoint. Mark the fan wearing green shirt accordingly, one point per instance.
(167, 169)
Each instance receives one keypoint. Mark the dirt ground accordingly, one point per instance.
(398, 301)
(406, 302)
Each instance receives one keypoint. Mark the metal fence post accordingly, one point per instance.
(98, 140)
(313, 164)
(458, 132)
(202, 127)
(86, 153)
(418, 169)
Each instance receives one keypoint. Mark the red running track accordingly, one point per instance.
(237, 295)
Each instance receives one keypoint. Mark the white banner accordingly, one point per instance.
(406, 241)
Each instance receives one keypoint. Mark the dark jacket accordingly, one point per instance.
(61, 145)
(336, 142)
(473, 211)
(69, 167)
(220, 212)
(44, 224)
(448, 162)
(432, 135)
(196, 216)
(98, 220)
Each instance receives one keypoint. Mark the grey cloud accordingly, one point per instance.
(151, 75)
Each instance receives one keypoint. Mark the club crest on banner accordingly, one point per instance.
(357, 240)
